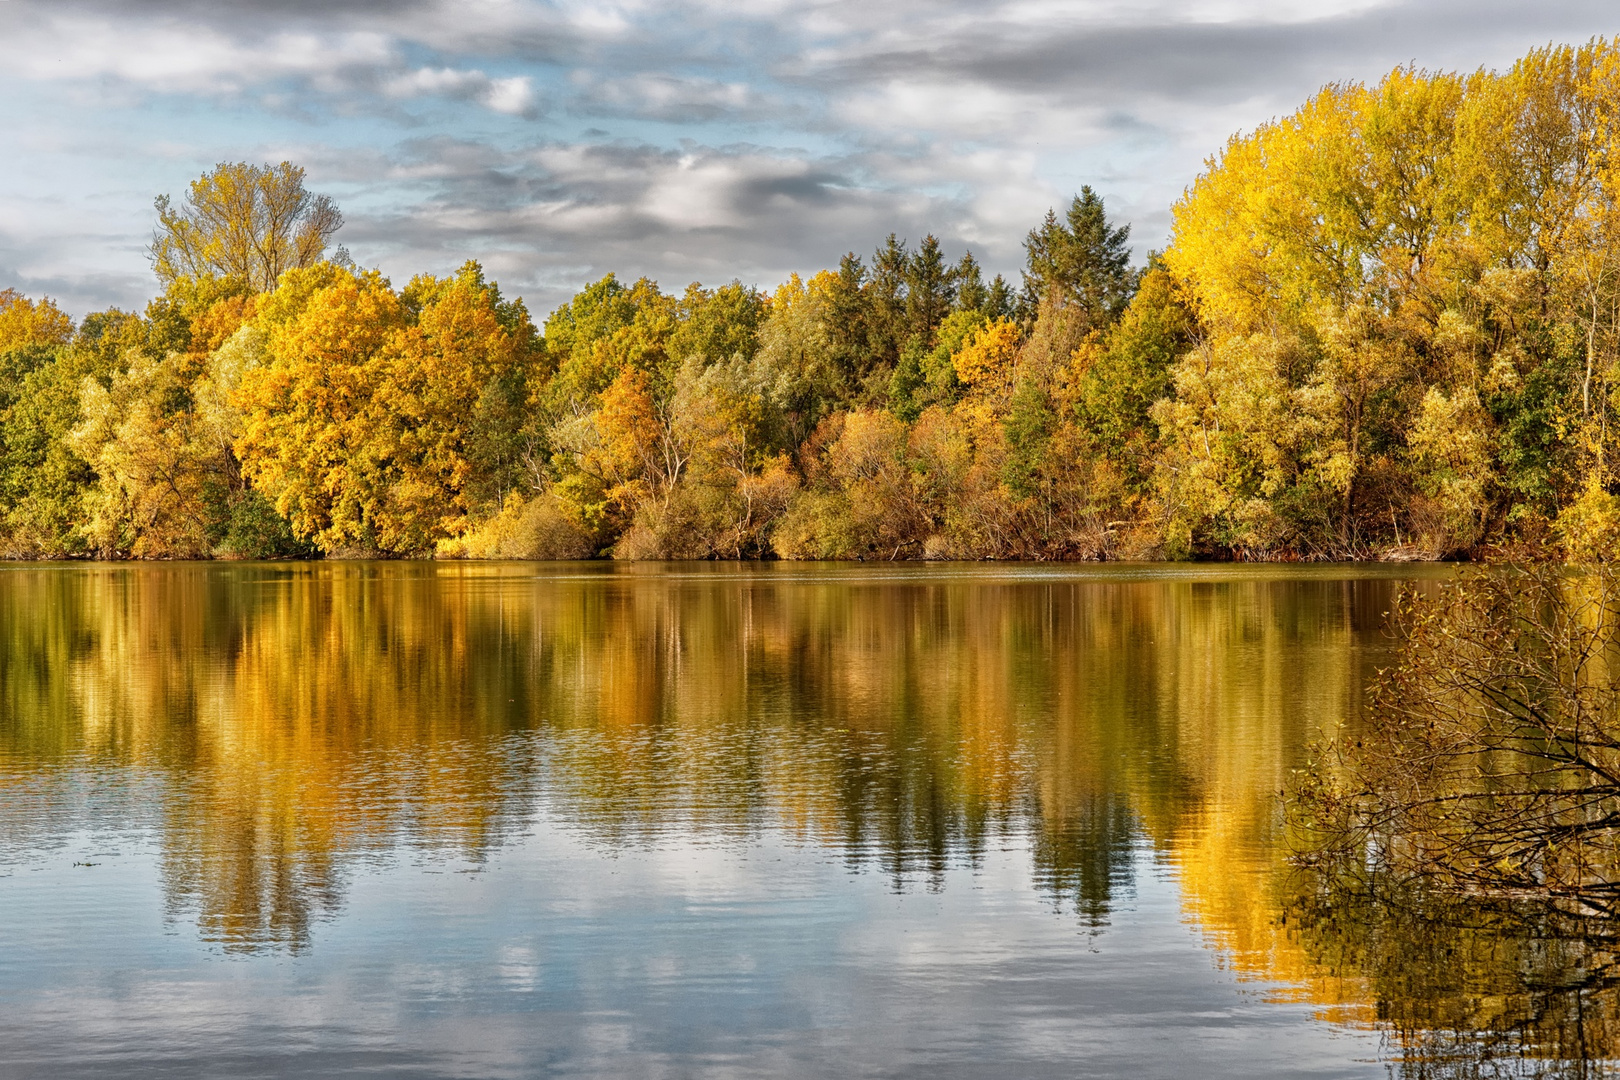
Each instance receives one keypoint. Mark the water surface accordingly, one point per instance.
(457, 820)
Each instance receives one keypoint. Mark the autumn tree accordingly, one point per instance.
(1399, 295)
(159, 472)
(358, 424)
(26, 323)
(251, 222)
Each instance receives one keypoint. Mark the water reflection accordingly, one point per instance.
(279, 729)
(304, 715)
(1467, 989)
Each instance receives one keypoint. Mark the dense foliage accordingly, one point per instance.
(1386, 325)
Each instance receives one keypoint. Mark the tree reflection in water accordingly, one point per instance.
(277, 727)
(1464, 989)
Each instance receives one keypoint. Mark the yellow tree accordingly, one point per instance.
(1252, 240)
(986, 362)
(358, 423)
(304, 410)
(25, 322)
(1330, 260)
(1232, 441)
(252, 222)
(423, 408)
(153, 463)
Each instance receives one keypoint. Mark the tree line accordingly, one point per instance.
(1386, 325)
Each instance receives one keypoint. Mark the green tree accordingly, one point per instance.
(1080, 260)
(43, 479)
(930, 291)
(888, 326)
(848, 323)
(1131, 371)
(972, 294)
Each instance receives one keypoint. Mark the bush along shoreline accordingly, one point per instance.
(1386, 326)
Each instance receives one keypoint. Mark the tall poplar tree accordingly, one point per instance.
(252, 222)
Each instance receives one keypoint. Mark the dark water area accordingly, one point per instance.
(682, 820)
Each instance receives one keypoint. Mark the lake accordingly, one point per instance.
(718, 820)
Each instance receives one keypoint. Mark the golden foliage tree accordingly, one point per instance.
(358, 423)
(25, 322)
(251, 222)
(1407, 303)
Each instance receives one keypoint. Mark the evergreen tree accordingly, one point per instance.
(1080, 260)
(971, 291)
(930, 291)
(891, 267)
(849, 321)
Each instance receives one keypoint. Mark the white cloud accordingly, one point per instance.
(435, 81)
(512, 96)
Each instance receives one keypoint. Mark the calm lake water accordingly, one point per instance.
(606, 820)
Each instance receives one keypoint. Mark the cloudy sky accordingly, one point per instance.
(687, 141)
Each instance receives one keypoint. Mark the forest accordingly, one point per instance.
(1385, 326)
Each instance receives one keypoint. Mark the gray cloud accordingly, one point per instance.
(547, 218)
(77, 284)
(673, 98)
(1179, 58)
(645, 55)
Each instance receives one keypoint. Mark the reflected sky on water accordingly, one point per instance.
(688, 820)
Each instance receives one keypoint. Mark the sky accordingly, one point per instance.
(558, 141)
